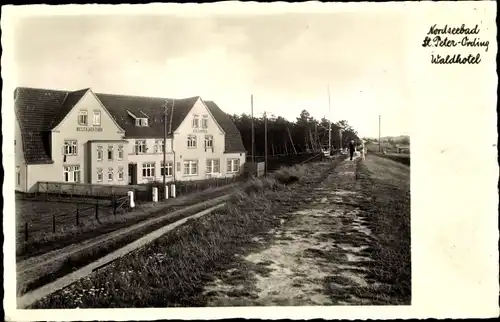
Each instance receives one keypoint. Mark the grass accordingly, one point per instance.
(69, 233)
(388, 216)
(398, 157)
(173, 270)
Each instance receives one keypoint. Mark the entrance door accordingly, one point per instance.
(132, 174)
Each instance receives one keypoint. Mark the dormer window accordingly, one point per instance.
(141, 122)
(196, 121)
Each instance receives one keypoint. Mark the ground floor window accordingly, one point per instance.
(110, 174)
(120, 173)
(233, 165)
(148, 170)
(18, 175)
(190, 167)
(99, 174)
(167, 169)
(71, 173)
(213, 166)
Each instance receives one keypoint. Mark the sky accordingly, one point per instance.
(287, 61)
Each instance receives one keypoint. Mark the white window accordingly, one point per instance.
(99, 153)
(70, 147)
(141, 122)
(96, 121)
(83, 117)
(191, 141)
(71, 173)
(18, 175)
(159, 144)
(148, 170)
(110, 174)
(209, 141)
(120, 152)
(168, 168)
(99, 174)
(110, 153)
(204, 122)
(140, 146)
(213, 166)
(233, 165)
(196, 121)
(120, 173)
(190, 167)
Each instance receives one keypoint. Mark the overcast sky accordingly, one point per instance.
(287, 61)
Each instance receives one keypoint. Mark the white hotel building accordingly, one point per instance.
(87, 137)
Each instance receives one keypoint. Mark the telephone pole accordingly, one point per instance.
(265, 143)
(253, 131)
(329, 125)
(379, 150)
(165, 112)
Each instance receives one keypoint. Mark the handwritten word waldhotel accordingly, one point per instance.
(87, 137)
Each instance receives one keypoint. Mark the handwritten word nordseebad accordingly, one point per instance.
(434, 30)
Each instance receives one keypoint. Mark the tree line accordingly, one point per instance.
(306, 134)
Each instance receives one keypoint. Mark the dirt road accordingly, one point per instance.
(324, 253)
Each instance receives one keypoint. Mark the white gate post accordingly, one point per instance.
(172, 187)
(131, 199)
(155, 194)
(166, 192)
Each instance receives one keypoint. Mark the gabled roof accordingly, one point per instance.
(120, 105)
(40, 110)
(233, 141)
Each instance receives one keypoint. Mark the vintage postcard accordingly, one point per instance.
(207, 161)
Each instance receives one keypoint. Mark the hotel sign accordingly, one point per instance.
(89, 129)
(200, 131)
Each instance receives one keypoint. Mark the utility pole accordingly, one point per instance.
(165, 112)
(329, 125)
(253, 131)
(265, 142)
(379, 150)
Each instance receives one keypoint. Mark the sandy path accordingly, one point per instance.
(319, 256)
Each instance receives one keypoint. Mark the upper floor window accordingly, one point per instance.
(141, 122)
(120, 152)
(191, 141)
(70, 147)
(83, 117)
(99, 153)
(140, 146)
(96, 121)
(196, 121)
(209, 141)
(233, 165)
(159, 145)
(204, 122)
(110, 153)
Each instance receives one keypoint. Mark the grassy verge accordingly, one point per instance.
(389, 219)
(401, 158)
(173, 270)
(43, 243)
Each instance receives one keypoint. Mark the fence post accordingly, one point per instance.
(77, 215)
(53, 223)
(166, 192)
(172, 188)
(155, 194)
(97, 210)
(131, 199)
(26, 231)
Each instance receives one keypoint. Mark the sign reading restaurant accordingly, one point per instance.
(89, 129)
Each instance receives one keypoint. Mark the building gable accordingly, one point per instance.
(201, 111)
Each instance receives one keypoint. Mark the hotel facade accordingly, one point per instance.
(95, 138)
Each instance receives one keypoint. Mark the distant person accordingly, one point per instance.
(352, 148)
